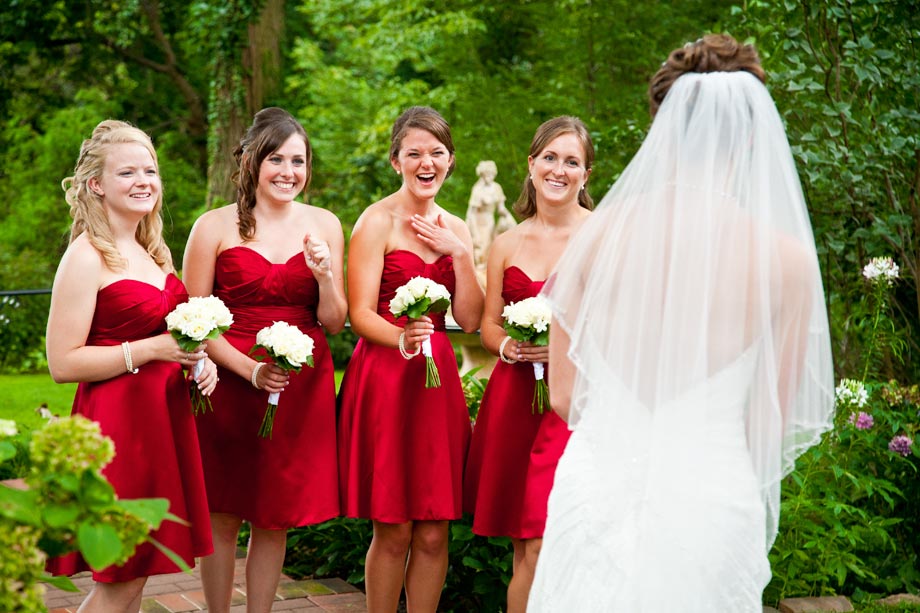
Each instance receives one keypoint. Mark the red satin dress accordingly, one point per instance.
(148, 416)
(290, 479)
(496, 471)
(402, 446)
(548, 446)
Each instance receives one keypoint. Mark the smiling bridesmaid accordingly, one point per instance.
(402, 446)
(514, 449)
(269, 258)
(107, 330)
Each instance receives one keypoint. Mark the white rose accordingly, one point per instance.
(436, 292)
(417, 287)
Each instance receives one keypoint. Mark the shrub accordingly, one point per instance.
(23, 317)
(850, 511)
(68, 506)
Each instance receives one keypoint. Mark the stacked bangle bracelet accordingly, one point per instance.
(129, 361)
(402, 347)
(501, 351)
(254, 378)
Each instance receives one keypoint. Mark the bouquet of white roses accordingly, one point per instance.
(528, 320)
(421, 296)
(193, 322)
(289, 349)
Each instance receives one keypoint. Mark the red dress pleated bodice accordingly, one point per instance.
(402, 446)
(291, 479)
(148, 416)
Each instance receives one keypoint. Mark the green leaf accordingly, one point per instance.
(177, 519)
(418, 309)
(172, 555)
(20, 505)
(439, 306)
(541, 339)
(7, 451)
(60, 516)
(69, 483)
(61, 583)
(97, 493)
(185, 343)
(151, 510)
(99, 543)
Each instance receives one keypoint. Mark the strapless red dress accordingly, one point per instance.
(402, 446)
(291, 479)
(548, 446)
(148, 416)
(496, 470)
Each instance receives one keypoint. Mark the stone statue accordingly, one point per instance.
(486, 215)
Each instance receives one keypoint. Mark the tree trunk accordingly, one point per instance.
(244, 79)
(262, 57)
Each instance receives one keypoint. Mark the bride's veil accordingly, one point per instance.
(702, 255)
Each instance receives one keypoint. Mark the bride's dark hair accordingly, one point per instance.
(712, 53)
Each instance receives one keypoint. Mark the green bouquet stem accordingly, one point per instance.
(432, 377)
(268, 421)
(200, 402)
(540, 390)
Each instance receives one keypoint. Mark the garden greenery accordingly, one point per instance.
(67, 506)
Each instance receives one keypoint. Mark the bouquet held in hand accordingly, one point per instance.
(421, 296)
(528, 320)
(193, 322)
(289, 349)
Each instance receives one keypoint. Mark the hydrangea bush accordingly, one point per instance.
(67, 506)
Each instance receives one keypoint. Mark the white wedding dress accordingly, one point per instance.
(653, 511)
(691, 309)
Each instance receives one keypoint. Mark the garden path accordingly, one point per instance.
(181, 592)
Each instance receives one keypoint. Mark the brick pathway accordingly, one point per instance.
(182, 592)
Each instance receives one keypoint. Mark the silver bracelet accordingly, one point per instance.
(129, 361)
(501, 352)
(402, 347)
(254, 378)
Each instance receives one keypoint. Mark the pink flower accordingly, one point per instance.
(862, 420)
(901, 445)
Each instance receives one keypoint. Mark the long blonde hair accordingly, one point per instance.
(86, 208)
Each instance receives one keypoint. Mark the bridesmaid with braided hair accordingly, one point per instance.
(270, 258)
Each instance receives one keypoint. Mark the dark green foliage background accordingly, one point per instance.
(844, 74)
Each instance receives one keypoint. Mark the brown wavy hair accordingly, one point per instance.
(270, 128)
(86, 207)
(526, 204)
(712, 53)
(422, 118)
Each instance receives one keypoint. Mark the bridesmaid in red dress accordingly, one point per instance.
(513, 452)
(269, 258)
(106, 329)
(402, 446)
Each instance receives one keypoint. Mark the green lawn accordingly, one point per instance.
(20, 395)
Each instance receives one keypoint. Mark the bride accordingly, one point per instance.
(690, 354)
